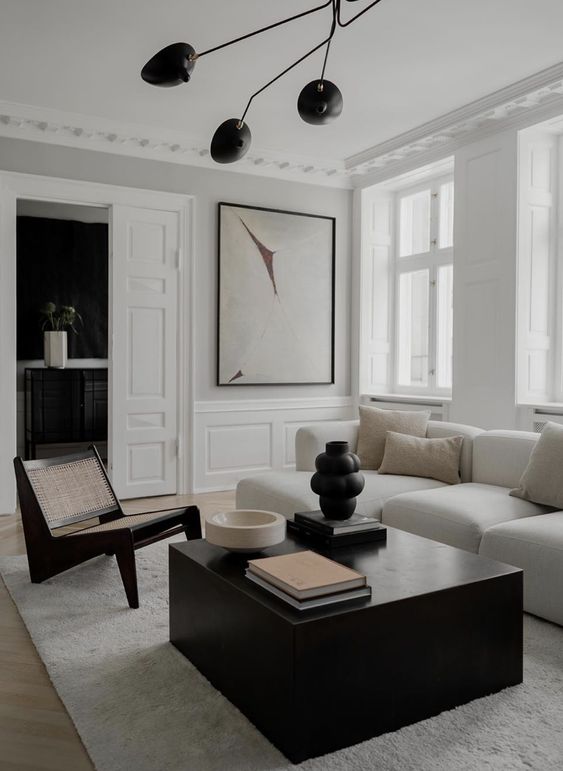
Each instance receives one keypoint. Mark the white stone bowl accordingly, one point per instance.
(245, 530)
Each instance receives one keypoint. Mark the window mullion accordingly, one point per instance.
(432, 286)
(432, 327)
(434, 217)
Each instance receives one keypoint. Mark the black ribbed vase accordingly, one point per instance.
(337, 481)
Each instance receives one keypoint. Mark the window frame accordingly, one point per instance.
(432, 260)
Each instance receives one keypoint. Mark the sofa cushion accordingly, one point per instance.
(541, 481)
(500, 457)
(421, 457)
(289, 491)
(534, 544)
(457, 515)
(374, 425)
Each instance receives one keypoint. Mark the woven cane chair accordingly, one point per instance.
(71, 489)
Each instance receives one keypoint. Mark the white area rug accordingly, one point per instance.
(139, 705)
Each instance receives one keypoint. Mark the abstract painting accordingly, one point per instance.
(276, 297)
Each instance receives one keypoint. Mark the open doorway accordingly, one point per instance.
(62, 253)
(150, 324)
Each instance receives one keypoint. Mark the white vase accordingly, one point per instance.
(55, 349)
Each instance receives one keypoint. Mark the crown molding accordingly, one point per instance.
(521, 104)
(531, 100)
(42, 124)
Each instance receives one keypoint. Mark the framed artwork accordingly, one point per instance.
(276, 297)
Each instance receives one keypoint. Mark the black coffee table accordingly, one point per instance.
(443, 627)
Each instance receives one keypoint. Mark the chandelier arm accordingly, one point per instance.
(301, 59)
(264, 29)
(325, 60)
(357, 16)
(335, 9)
(287, 69)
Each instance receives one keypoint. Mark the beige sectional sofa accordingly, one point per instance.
(477, 515)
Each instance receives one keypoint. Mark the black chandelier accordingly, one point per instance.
(319, 102)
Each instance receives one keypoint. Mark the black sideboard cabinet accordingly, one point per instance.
(65, 406)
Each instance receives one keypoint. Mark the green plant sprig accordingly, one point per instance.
(59, 319)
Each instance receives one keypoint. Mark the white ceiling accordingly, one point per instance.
(404, 63)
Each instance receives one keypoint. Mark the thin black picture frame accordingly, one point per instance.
(332, 295)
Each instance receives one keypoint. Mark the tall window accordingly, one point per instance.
(423, 286)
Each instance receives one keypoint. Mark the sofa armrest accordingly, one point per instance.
(438, 429)
(310, 441)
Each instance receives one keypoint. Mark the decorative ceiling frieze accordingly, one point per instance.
(531, 100)
(86, 132)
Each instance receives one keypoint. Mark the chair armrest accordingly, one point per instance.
(177, 509)
(311, 440)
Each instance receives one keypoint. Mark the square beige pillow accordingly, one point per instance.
(542, 480)
(374, 425)
(415, 457)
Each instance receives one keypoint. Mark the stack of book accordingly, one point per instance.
(307, 580)
(337, 532)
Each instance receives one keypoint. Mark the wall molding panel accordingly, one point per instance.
(235, 439)
(538, 359)
(258, 405)
(376, 325)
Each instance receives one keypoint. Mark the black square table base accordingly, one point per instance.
(443, 627)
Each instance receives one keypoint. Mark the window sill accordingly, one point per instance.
(408, 398)
(557, 407)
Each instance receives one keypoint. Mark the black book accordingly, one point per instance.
(334, 541)
(316, 520)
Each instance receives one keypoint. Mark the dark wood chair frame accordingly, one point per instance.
(49, 555)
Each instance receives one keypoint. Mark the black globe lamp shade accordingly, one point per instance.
(171, 66)
(320, 102)
(231, 141)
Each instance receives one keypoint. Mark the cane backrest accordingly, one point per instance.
(72, 488)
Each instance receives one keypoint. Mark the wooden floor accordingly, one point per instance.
(35, 730)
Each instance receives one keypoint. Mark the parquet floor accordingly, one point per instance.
(36, 732)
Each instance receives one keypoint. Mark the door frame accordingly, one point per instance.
(14, 185)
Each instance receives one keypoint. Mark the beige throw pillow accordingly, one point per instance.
(374, 425)
(542, 480)
(414, 457)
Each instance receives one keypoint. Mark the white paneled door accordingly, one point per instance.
(144, 304)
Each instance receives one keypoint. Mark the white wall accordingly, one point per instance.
(485, 235)
(264, 415)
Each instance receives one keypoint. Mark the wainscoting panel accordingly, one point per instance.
(234, 439)
(252, 443)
